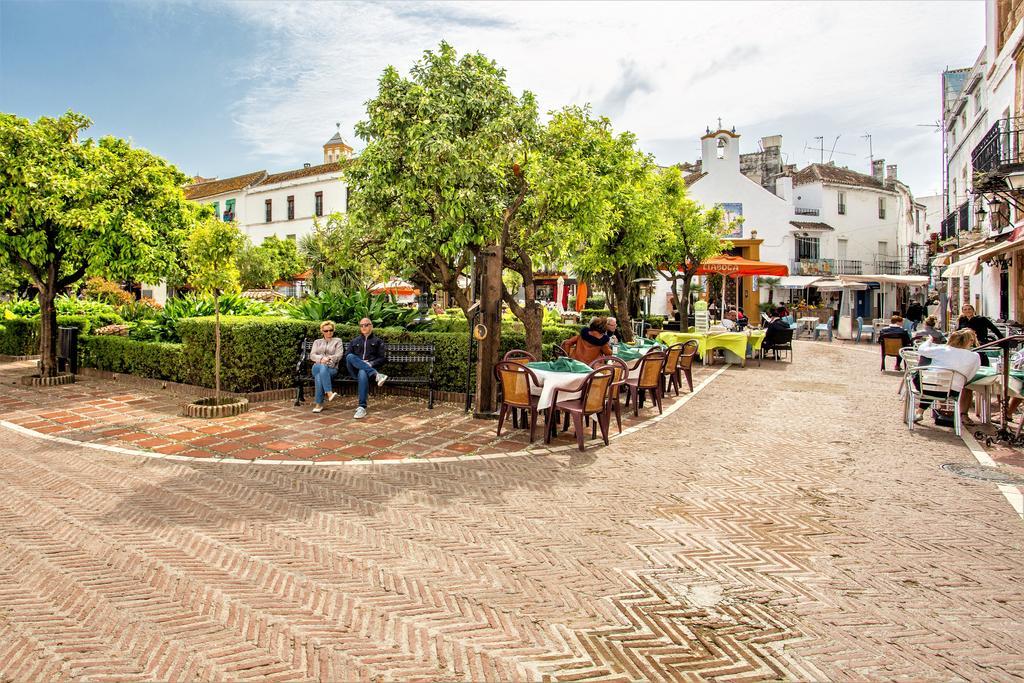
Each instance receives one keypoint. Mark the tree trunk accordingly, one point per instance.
(622, 306)
(216, 345)
(684, 308)
(47, 332)
(490, 259)
(680, 313)
(534, 323)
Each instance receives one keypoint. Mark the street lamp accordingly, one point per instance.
(979, 211)
(644, 286)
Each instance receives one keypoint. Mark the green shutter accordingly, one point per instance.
(216, 209)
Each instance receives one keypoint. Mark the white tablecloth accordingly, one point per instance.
(556, 380)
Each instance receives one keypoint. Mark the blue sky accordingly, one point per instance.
(223, 88)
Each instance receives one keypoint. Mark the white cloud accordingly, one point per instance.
(664, 71)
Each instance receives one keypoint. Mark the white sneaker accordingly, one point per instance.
(360, 413)
(318, 409)
(381, 378)
(331, 395)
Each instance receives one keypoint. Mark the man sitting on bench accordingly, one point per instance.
(364, 355)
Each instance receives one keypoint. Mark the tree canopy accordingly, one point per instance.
(68, 206)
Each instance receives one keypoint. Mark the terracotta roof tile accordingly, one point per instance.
(212, 188)
(835, 175)
(810, 225)
(691, 178)
(302, 173)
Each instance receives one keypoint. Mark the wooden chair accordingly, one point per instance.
(670, 371)
(649, 379)
(516, 381)
(520, 356)
(890, 347)
(621, 370)
(593, 400)
(685, 365)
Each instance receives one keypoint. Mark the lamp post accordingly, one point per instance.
(644, 286)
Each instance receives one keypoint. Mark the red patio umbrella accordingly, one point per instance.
(737, 266)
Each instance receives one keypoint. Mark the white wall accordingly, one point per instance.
(304, 191)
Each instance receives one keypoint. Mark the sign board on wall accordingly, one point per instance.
(733, 210)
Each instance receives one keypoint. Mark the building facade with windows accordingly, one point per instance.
(822, 220)
(281, 204)
(981, 259)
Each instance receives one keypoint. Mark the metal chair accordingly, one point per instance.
(928, 386)
(823, 327)
(621, 370)
(911, 358)
(783, 342)
(649, 379)
(516, 381)
(593, 400)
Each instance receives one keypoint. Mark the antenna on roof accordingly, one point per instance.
(871, 150)
(821, 148)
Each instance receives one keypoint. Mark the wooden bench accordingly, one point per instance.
(401, 359)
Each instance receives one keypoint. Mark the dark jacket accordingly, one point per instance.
(894, 331)
(982, 326)
(775, 331)
(915, 312)
(372, 349)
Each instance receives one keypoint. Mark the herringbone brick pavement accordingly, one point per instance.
(782, 525)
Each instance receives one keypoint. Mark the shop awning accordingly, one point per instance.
(908, 280)
(965, 267)
(737, 266)
(798, 281)
(1001, 248)
(831, 285)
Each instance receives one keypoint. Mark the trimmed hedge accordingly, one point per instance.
(20, 336)
(587, 313)
(259, 353)
(114, 353)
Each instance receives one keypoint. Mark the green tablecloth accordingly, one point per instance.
(560, 365)
(627, 353)
(983, 374)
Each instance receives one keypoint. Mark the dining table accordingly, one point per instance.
(809, 323)
(737, 343)
(565, 380)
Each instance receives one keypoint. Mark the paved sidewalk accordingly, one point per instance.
(783, 524)
(107, 412)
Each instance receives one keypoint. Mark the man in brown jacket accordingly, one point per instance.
(590, 344)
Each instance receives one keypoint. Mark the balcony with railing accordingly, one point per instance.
(806, 212)
(1002, 148)
(826, 267)
(888, 265)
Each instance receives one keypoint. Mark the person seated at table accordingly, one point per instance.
(729, 320)
(954, 355)
(775, 329)
(981, 325)
(896, 330)
(612, 328)
(929, 331)
(590, 344)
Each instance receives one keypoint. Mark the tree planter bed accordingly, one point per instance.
(210, 408)
(38, 381)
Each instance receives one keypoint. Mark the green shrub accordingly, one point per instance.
(596, 302)
(114, 353)
(587, 313)
(19, 337)
(260, 353)
(25, 308)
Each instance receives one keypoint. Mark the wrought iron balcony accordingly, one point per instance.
(888, 266)
(1002, 148)
(826, 266)
(847, 267)
(807, 212)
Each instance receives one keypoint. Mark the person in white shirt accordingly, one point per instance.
(729, 320)
(955, 355)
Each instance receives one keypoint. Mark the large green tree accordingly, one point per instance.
(336, 257)
(564, 205)
(437, 184)
(68, 206)
(634, 226)
(695, 235)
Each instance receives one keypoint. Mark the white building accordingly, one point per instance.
(821, 220)
(282, 204)
(982, 109)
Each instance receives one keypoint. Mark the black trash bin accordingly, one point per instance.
(67, 349)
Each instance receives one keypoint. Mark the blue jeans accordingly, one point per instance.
(361, 371)
(322, 376)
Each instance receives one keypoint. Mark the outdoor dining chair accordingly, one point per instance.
(593, 400)
(670, 372)
(823, 327)
(558, 352)
(911, 358)
(934, 386)
(522, 357)
(649, 379)
(890, 347)
(621, 370)
(784, 343)
(685, 365)
(862, 330)
(516, 382)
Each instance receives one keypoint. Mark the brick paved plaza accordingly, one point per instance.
(782, 524)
